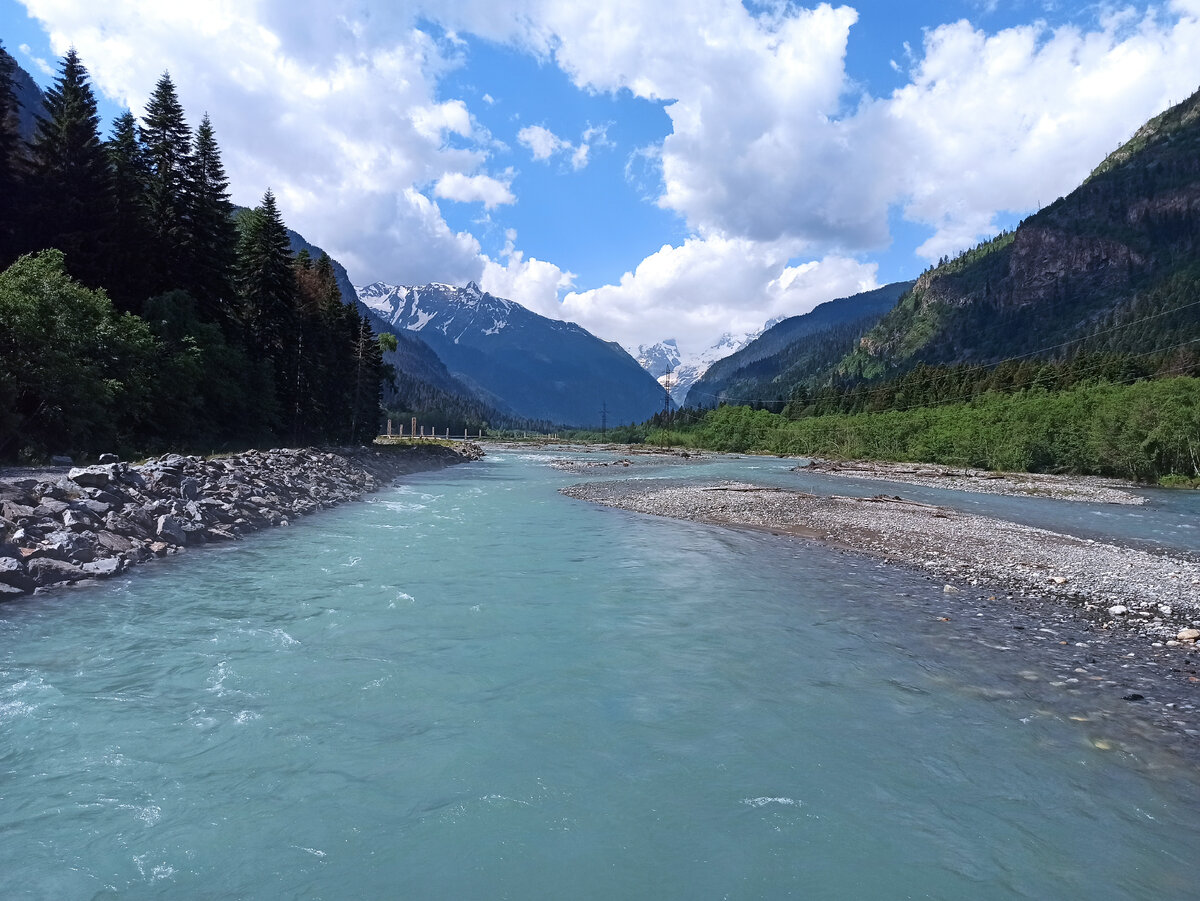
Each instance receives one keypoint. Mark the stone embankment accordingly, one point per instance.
(95, 521)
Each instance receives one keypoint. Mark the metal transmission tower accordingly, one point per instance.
(666, 383)
(604, 421)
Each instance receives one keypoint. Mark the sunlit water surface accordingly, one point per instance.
(472, 687)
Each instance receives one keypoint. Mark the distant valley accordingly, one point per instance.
(515, 360)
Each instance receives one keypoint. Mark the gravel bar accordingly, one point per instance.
(1112, 629)
(1090, 489)
(1157, 595)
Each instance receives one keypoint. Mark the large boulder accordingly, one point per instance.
(73, 546)
(14, 574)
(92, 476)
(47, 571)
(170, 529)
(109, 566)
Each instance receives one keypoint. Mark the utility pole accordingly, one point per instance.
(667, 394)
(604, 421)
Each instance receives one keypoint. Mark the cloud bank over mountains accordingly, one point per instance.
(783, 171)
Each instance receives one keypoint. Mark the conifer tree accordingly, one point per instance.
(127, 282)
(72, 185)
(213, 248)
(168, 145)
(10, 161)
(267, 285)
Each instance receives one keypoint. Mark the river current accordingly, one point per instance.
(470, 686)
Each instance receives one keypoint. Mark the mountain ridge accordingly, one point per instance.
(534, 366)
(1076, 276)
(686, 369)
(795, 349)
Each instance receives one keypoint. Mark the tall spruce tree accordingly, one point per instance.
(73, 190)
(267, 285)
(213, 248)
(128, 277)
(168, 145)
(10, 162)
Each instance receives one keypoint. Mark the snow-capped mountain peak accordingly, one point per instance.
(687, 368)
(516, 359)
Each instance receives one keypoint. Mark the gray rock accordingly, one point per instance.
(10, 591)
(170, 529)
(189, 489)
(78, 520)
(92, 476)
(61, 460)
(15, 512)
(109, 566)
(111, 541)
(98, 507)
(131, 477)
(14, 573)
(1118, 610)
(47, 571)
(63, 545)
(50, 507)
(109, 458)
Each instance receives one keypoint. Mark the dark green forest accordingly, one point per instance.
(1146, 431)
(139, 314)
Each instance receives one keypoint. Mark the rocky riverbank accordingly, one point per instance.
(1092, 489)
(94, 522)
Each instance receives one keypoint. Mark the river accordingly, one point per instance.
(470, 686)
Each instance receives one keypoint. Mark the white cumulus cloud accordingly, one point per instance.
(491, 192)
(774, 155)
(704, 287)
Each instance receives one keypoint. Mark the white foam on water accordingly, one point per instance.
(353, 561)
(11, 710)
(403, 506)
(283, 638)
(763, 802)
(148, 814)
(158, 871)
(313, 851)
(246, 716)
(216, 679)
(491, 799)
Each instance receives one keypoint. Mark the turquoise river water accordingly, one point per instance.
(470, 686)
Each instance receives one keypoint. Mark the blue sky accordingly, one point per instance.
(677, 169)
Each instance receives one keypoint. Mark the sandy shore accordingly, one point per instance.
(1135, 614)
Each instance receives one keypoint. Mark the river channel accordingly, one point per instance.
(470, 686)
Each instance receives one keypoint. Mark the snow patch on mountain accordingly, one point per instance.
(438, 306)
(684, 368)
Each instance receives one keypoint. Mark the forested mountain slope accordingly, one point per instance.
(798, 350)
(1113, 266)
